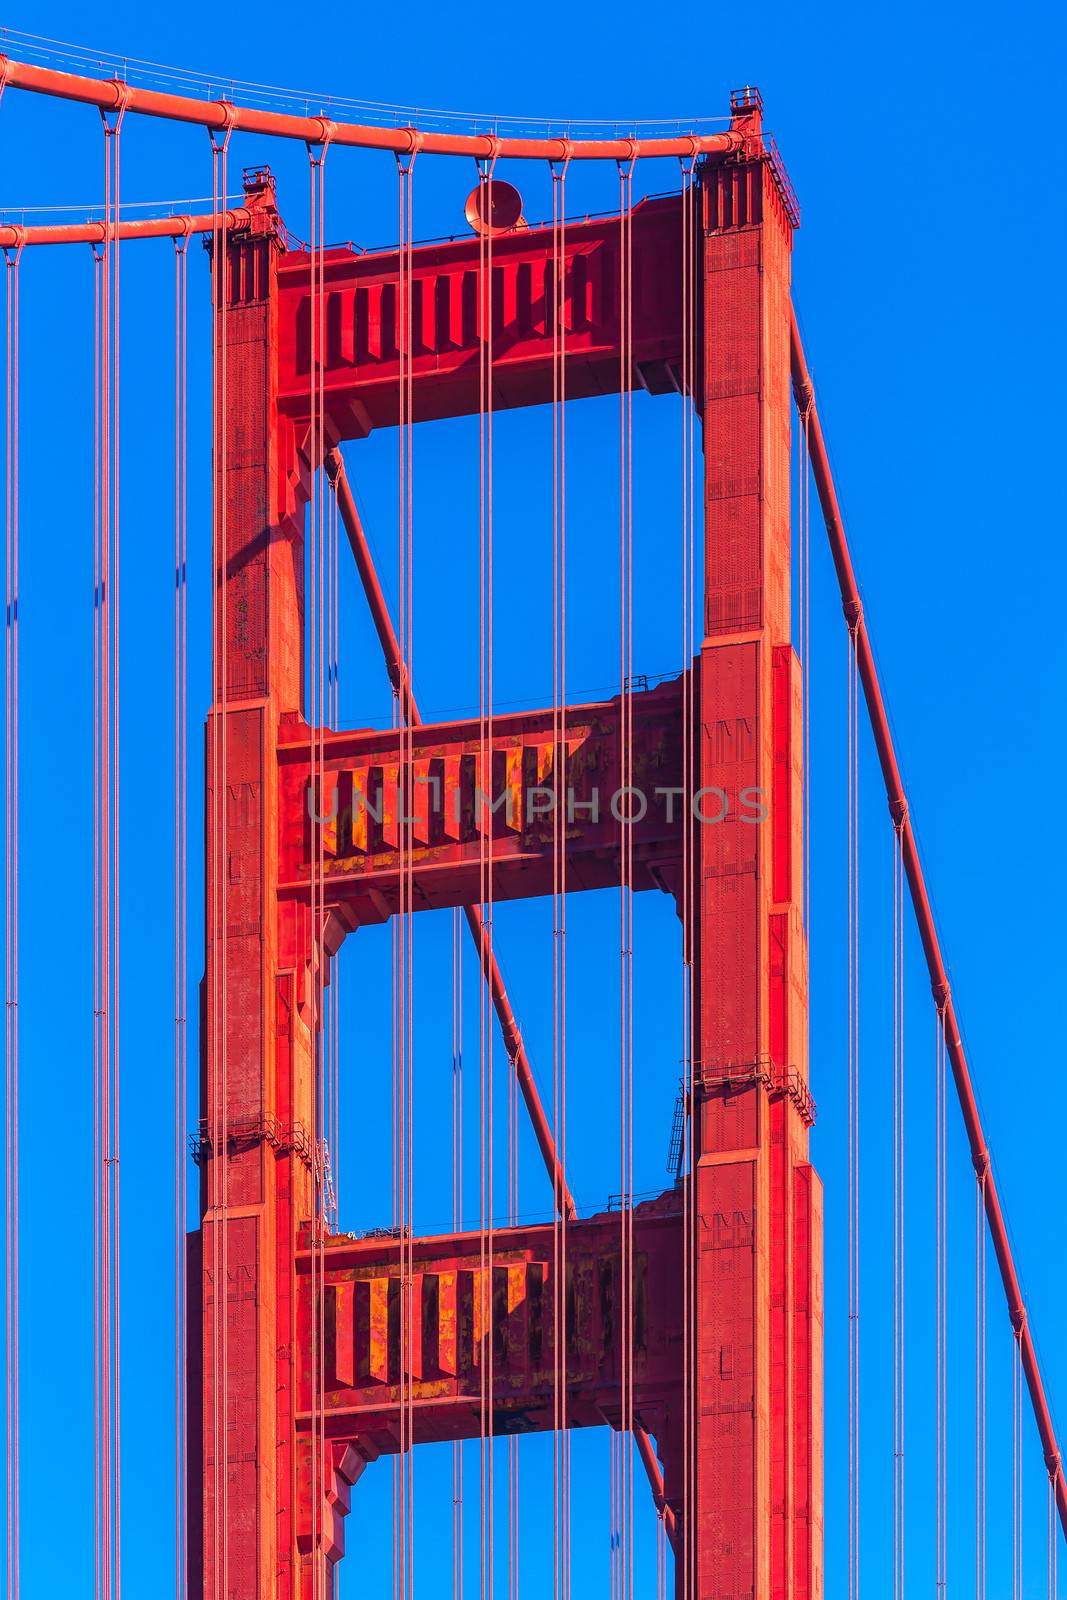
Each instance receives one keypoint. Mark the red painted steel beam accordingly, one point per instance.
(364, 788)
(396, 667)
(467, 1307)
(359, 364)
(218, 115)
(804, 392)
(13, 235)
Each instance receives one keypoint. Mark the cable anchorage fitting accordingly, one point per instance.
(981, 1164)
(853, 610)
(327, 129)
(627, 163)
(118, 110)
(14, 250)
(414, 145)
(229, 122)
(563, 160)
(898, 810)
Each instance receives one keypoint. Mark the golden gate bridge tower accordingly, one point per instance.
(696, 1316)
(689, 1323)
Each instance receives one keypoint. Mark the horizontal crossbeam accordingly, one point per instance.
(465, 1291)
(361, 365)
(457, 799)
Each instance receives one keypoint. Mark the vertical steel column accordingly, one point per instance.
(258, 1042)
(757, 1428)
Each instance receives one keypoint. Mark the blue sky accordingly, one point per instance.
(921, 141)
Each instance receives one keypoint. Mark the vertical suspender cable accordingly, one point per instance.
(624, 1476)
(11, 891)
(1053, 1536)
(333, 718)
(561, 1450)
(854, 1472)
(941, 1313)
(99, 602)
(317, 954)
(1016, 1473)
(106, 874)
(396, 939)
(180, 907)
(485, 861)
(408, 638)
(116, 858)
(898, 1218)
(686, 1553)
(219, 1114)
(979, 1385)
(403, 940)
(457, 1220)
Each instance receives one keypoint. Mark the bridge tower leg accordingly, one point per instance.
(256, 1149)
(757, 1423)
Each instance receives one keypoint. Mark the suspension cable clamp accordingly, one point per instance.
(5, 71)
(414, 145)
(941, 992)
(563, 160)
(486, 163)
(853, 610)
(630, 161)
(1018, 1320)
(118, 110)
(327, 129)
(229, 122)
(14, 250)
(898, 810)
(981, 1164)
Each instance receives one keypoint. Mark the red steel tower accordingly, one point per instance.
(726, 1290)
